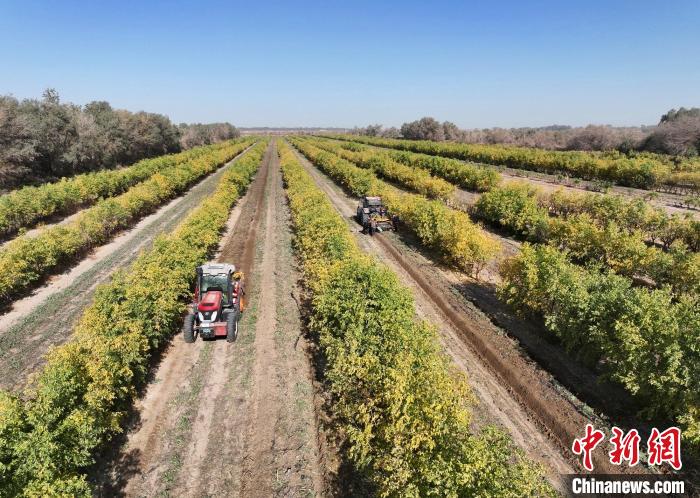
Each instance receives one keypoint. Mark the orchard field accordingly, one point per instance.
(458, 356)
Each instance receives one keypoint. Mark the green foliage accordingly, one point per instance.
(79, 400)
(449, 232)
(404, 414)
(644, 339)
(27, 206)
(641, 170)
(414, 179)
(588, 229)
(27, 259)
(466, 175)
(514, 207)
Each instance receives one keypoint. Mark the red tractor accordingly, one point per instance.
(218, 303)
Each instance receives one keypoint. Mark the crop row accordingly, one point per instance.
(447, 231)
(515, 207)
(417, 180)
(27, 259)
(641, 171)
(80, 399)
(27, 206)
(593, 228)
(629, 214)
(404, 416)
(645, 339)
(465, 175)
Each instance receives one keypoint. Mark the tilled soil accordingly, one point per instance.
(233, 419)
(514, 392)
(46, 317)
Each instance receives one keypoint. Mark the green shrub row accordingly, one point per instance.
(80, 399)
(414, 179)
(630, 214)
(27, 259)
(465, 175)
(25, 207)
(645, 339)
(403, 412)
(449, 232)
(516, 208)
(641, 171)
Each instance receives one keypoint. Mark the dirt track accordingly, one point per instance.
(233, 419)
(56, 306)
(514, 392)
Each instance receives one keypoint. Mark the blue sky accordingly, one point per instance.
(479, 64)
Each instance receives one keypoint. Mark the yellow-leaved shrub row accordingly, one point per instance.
(27, 259)
(641, 170)
(402, 410)
(630, 214)
(592, 227)
(415, 179)
(470, 176)
(24, 207)
(449, 232)
(79, 401)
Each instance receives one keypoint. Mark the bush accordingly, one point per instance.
(448, 231)
(79, 400)
(27, 259)
(641, 171)
(644, 339)
(25, 207)
(416, 180)
(404, 416)
(514, 207)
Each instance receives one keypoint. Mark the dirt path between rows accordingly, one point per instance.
(233, 419)
(514, 392)
(46, 317)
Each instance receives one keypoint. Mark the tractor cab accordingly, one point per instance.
(374, 216)
(217, 303)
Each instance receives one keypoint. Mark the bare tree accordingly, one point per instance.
(451, 131)
(424, 129)
(192, 135)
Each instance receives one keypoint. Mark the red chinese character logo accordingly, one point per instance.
(587, 444)
(625, 448)
(665, 447)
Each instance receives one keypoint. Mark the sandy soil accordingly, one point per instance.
(56, 306)
(514, 391)
(233, 419)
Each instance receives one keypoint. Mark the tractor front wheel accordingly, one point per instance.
(232, 326)
(188, 329)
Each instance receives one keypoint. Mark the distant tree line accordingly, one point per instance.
(45, 139)
(678, 133)
(194, 135)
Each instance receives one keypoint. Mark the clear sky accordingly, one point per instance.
(326, 63)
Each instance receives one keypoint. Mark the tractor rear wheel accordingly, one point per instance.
(232, 325)
(188, 329)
